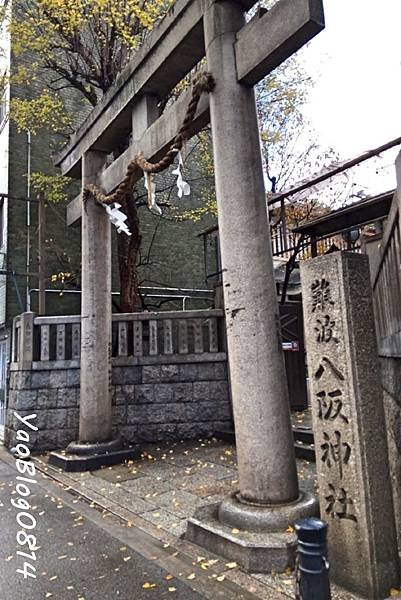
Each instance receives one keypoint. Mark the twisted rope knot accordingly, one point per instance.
(204, 83)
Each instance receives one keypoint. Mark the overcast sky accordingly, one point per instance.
(356, 63)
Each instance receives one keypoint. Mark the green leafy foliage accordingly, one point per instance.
(53, 187)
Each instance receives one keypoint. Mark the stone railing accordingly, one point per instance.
(169, 377)
(140, 338)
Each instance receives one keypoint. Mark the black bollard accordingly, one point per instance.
(312, 567)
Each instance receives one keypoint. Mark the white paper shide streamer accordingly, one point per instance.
(117, 217)
(150, 186)
(183, 187)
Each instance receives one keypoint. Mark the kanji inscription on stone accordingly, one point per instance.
(347, 411)
(331, 406)
(325, 329)
(335, 451)
(338, 504)
(321, 294)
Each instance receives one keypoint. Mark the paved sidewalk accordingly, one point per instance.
(158, 492)
(77, 554)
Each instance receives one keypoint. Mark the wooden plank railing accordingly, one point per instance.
(140, 338)
(387, 287)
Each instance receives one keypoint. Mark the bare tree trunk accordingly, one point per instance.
(128, 250)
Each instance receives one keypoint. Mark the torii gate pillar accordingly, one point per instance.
(95, 446)
(268, 499)
(95, 421)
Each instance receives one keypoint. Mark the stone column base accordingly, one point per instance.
(268, 545)
(90, 457)
(89, 449)
(237, 513)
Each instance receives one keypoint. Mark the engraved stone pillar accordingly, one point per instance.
(348, 421)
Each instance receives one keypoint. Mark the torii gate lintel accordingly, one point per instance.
(290, 23)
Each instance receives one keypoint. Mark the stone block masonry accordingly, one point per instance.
(151, 403)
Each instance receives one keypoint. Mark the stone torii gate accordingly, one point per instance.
(238, 55)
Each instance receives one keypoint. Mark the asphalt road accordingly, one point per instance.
(77, 558)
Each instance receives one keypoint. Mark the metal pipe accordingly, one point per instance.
(182, 297)
(208, 297)
(28, 221)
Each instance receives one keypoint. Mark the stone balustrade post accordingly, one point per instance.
(26, 341)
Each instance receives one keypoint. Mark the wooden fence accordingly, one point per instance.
(140, 338)
(387, 286)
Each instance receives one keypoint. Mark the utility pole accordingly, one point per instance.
(42, 254)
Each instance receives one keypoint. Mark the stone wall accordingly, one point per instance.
(391, 382)
(152, 403)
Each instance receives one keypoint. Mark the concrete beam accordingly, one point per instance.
(74, 209)
(174, 47)
(153, 144)
(280, 32)
(157, 138)
(171, 51)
